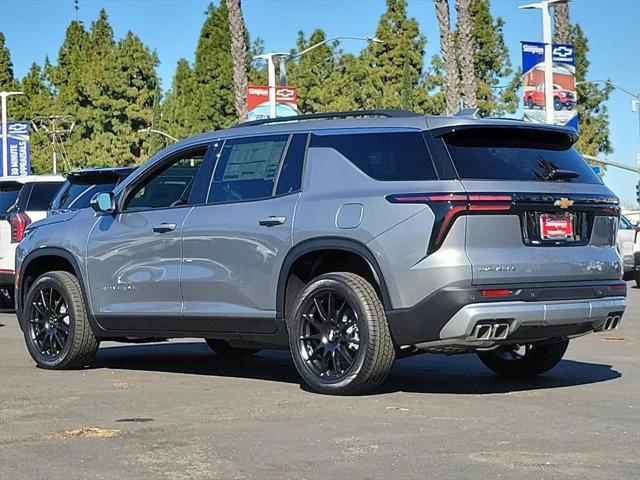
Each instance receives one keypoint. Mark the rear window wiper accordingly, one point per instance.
(558, 174)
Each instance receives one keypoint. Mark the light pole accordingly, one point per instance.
(159, 132)
(285, 57)
(5, 137)
(548, 61)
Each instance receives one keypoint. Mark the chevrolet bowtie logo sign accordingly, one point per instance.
(563, 203)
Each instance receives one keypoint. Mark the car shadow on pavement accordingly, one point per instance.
(434, 374)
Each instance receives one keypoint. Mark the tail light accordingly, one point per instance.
(447, 207)
(19, 223)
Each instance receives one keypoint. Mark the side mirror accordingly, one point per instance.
(104, 202)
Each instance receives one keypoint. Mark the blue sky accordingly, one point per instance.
(35, 29)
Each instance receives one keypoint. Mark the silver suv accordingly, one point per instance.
(352, 241)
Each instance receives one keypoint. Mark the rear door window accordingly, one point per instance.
(517, 154)
(9, 196)
(386, 156)
(42, 195)
(247, 169)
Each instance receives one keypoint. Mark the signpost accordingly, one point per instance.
(15, 150)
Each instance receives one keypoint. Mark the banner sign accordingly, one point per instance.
(18, 148)
(564, 84)
(258, 101)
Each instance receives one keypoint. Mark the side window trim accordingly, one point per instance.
(165, 162)
(202, 182)
(282, 157)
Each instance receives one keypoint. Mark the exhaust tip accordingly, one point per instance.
(615, 321)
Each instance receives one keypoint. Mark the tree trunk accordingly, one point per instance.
(447, 50)
(239, 56)
(465, 54)
(561, 23)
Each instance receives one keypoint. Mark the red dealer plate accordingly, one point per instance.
(556, 227)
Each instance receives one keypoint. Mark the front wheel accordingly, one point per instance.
(525, 360)
(339, 336)
(56, 324)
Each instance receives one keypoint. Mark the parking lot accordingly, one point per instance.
(175, 410)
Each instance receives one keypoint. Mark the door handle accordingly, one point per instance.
(164, 227)
(272, 221)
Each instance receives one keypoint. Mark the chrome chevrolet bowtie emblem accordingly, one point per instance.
(563, 203)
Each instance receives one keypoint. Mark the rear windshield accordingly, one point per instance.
(75, 196)
(8, 196)
(516, 154)
(381, 155)
(42, 195)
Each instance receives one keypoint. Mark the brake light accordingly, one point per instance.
(19, 223)
(448, 206)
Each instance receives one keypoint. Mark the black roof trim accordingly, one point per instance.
(387, 113)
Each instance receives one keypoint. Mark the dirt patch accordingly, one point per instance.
(86, 432)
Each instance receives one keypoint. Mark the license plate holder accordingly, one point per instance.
(557, 227)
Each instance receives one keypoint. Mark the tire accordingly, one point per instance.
(557, 104)
(537, 359)
(225, 349)
(530, 103)
(44, 333)
(339, 337)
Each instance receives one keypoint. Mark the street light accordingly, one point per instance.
(285, 57)
(159, 132)
(5, 134)
(548, 62)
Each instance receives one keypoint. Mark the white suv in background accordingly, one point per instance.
(23, 200)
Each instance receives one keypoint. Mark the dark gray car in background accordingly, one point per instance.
(351, 241)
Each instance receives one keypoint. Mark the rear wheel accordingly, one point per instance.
(339, 337)
(525, 360)
(225, 349)
(57, 330)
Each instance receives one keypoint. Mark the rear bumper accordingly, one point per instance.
(487, 324)
(534, 311)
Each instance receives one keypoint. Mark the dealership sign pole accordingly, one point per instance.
(5, 132)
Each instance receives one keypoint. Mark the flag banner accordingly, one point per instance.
(258, 102)
(564, 84)
(18, 150)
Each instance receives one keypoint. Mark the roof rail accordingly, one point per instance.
(387, 113)
(468, 112)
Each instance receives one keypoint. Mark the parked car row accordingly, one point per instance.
(353, 239)
(27, 199)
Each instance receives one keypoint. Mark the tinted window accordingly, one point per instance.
(383, 156)
(516, 154)
(170, 187)
(78, 195)
(41, 196)
(8, 196)
(247, 169)
(290, 179)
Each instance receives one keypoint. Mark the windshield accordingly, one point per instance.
(517, 154)
(78, 195)
(8, 196)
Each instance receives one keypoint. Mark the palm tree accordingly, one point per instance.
(465, 54)
(452, 87)
(561, 23)
(239, 56)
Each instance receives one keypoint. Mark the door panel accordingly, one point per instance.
(231, 262)
(134, 270)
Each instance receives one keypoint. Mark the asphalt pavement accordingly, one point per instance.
(175, 410)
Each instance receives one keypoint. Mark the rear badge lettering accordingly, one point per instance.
(497, 268)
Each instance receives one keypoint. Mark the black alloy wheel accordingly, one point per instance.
(49, 322)
(329, 335)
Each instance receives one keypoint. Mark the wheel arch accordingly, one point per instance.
(325, 244)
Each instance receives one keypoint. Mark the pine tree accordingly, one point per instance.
(7, 80)
(177, 109)
(213, 98)
(396, 64)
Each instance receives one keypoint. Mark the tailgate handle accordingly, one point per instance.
(272, 221)
(164, 227)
